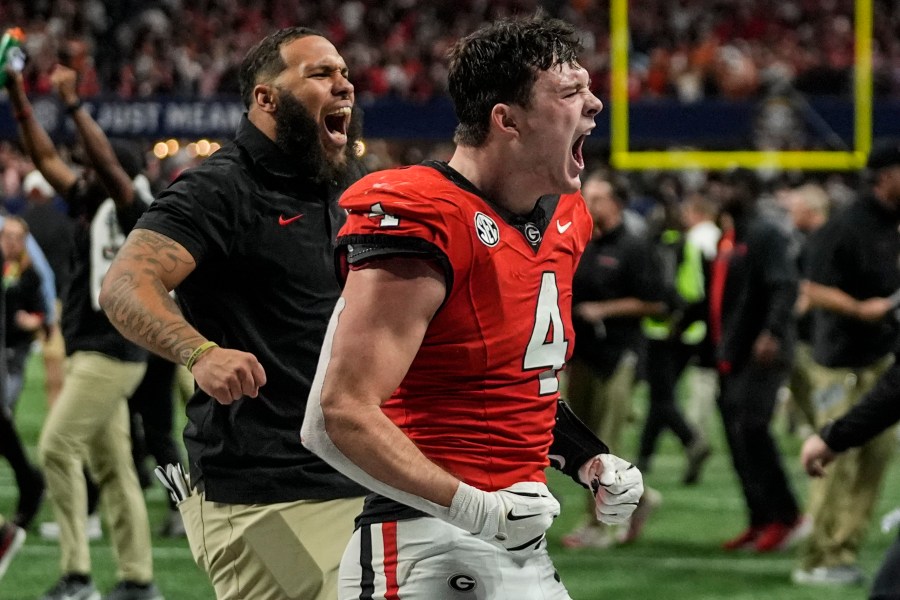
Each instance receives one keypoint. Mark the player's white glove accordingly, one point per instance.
(617, 485)
(516, 517)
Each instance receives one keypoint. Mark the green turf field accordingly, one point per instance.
(678, 556)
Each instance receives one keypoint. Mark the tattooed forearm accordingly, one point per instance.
(166, 333)
(135, 295)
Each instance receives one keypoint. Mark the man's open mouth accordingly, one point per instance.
(337, 123)
(577, 151)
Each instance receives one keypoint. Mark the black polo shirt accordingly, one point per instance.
(261, 235)
(857, 252)
(618, 264)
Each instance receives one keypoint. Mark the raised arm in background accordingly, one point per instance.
(35, 139)
(96, 145)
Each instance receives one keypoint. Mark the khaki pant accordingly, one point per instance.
(841, 503)
(89, 423)
(285, 551)
(702, 388)
(53, 346)
(801, 409)
(604, 404)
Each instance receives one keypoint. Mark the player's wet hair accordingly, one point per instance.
(263, 61)
(499, 64)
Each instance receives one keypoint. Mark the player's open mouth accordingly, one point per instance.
(576, 151)
(336, 124)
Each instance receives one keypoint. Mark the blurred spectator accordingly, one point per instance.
(808, 207)
(673, 338)
(853, 276)
(699, 213)
(616, 284)
(55, 234)
(25, 307)
(752, 291)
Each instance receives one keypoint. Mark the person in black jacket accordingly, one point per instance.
(28, 478)
(12, 536)
(753, 288)
(853, 278)
(25, 306)
(878, 411)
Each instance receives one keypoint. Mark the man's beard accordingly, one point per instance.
(297, 134)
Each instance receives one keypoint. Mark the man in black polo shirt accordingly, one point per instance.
(616, 284)
(246, 238)
(853, 272)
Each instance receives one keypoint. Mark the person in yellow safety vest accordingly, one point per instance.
(672, 341)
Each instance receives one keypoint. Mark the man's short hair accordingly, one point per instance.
(263, 61)
(499, 64)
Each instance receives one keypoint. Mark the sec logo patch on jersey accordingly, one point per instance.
(487, 230)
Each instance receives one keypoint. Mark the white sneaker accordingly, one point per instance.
(50, 529)
(840, 575)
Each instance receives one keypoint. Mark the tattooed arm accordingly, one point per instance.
(135, 297)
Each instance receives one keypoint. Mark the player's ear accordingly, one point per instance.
(503, 118)
(264, 96)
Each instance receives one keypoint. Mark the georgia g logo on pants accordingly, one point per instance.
(462, 583)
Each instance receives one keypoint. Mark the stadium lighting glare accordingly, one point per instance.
(623, 158)
(173, 146)
(203, 147)
(160, 150)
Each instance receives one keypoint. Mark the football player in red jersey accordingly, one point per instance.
(437, 386)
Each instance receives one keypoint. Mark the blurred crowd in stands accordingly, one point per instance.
(689, 49)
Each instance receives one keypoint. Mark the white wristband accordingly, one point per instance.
(467, 509)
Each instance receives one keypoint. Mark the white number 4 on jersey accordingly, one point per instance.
(548, 323)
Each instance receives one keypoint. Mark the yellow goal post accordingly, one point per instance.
(623, 158)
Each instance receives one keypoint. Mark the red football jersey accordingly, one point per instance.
(480, 396)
